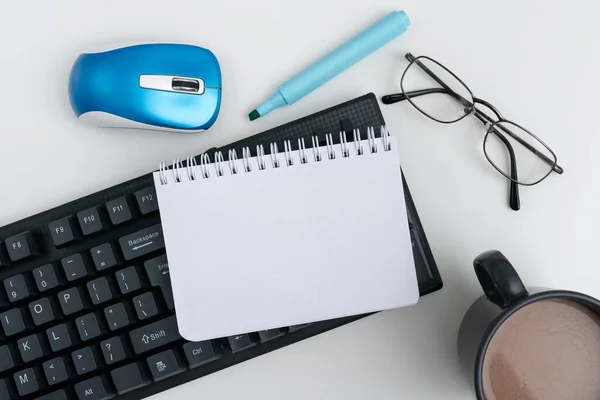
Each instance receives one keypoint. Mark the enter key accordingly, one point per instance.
(158, 273)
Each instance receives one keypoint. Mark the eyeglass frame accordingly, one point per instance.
(491, 125)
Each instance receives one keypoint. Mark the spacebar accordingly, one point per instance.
(142, 242)
(154, 335)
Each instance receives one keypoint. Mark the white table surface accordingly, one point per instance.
(536, 61)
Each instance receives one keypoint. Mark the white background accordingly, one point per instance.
(537, 61)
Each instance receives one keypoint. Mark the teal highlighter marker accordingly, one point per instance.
(357, 48)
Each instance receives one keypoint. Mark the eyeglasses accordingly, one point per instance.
(439, 94)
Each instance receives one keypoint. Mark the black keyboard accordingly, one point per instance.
(86, 310)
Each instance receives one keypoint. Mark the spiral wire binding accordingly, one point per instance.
(275, 155)
(190, 164)
(288, 153)
(232, 162)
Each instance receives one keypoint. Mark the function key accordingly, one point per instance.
(62, 231)
(200, 353)
(90, 221)
(21, 246)
(146, 200)
(45, 277)
(164, 365)
(295, 328)
(119, 211)
(16, 288)
(103, 256)
(74, 267)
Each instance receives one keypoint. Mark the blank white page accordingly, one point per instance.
(290, 245)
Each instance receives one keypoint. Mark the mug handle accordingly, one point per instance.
(498, 279)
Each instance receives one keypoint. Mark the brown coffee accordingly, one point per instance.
(547, 350)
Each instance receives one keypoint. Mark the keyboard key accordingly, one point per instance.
(90, 221)
(118, 211)
(70, 301)
(74, 267)
(12, 322)
(200, 353)
(128, 378)
(270, 334)
(84, 361)
(62, 231)
(88, 327)
(58, 395)
(59, 337)
(21, 246)
(93, 389)
(41, 311)
(158, 273)
(99, 291)
(45, 277)
(112, 349)
(116, 316)
(295, 328)
(142, 242)
(30, 348)
(145, 307)
(4, 261)
(7, 358)
(26, 382)
(128, 280)
(146, 200)
(103, 256)
(154, 335)
(164, 365)
(6, 391)
(240, 342)
(16, 288)
(55, 371)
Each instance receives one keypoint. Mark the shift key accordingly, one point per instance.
(142, 242)
(154, 335)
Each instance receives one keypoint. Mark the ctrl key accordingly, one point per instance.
(93, 389)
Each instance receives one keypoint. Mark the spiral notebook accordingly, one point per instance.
(254, 243)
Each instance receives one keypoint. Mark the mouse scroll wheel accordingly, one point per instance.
(186, 85)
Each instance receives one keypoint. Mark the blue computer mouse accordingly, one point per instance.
(172, 87)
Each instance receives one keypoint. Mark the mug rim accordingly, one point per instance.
(506, 313)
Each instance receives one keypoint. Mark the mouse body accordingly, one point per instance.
(162, 86)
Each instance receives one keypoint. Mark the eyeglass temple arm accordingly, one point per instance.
(483, 117)
(514, 199)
